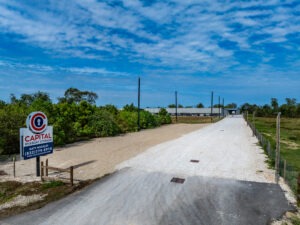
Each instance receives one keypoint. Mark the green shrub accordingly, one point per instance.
(12, 118)
(73, 118)
(59, 137)
(127, 121)
(164, 117)
(103, 124)
(147, 120)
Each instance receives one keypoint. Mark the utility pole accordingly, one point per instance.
(219, 108)
(176, 105)
(211, 104)
(223, 108)
(277, 161)
(139, 101)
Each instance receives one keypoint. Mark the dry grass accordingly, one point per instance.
(51, 191)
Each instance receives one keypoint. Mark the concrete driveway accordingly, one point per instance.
(227, 182)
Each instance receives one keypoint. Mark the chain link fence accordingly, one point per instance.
(286, 171)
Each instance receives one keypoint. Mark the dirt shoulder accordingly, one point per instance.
(97, 157)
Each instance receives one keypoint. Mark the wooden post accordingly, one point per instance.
(42, 170)
(284, 169)
(14, 161)
(71, 175)
(253, 121)
(277, 161)
(298, 191)
(46, 168)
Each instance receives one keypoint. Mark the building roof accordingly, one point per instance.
(186, 110)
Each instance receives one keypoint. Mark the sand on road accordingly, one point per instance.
(97, 157)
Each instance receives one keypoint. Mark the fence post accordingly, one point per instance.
(277, 161)
(253, 122)
(42, 171)
(14, 161)
(298, 191)
(71, 175)
(46, 167)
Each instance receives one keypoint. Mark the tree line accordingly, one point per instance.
(288, 109)
(75, 117)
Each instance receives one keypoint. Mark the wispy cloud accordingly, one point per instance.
(119, 39)
(168, 33)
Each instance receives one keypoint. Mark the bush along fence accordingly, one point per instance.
(290, 175)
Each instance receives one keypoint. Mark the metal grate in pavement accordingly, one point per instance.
(194, 161)
(177, 180)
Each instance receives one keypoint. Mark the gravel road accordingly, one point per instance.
(97, 157)
(229, 185)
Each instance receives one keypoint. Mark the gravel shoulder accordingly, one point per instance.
(97, 157)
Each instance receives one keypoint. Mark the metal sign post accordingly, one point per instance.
(277, 161)
(38, 169)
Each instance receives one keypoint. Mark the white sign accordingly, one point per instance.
(37, 139)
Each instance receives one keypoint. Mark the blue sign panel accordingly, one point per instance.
(38, 150)
(34, 145)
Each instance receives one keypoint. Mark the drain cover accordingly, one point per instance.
(178, 180)
(194, 161)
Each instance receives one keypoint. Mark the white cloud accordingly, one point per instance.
(175, 33)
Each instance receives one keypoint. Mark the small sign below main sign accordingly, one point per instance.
(37, 139)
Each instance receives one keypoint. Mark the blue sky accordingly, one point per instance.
(245, 51)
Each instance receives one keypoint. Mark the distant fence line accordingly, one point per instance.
(290, 175)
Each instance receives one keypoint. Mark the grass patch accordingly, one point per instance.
(52, 191)
(52, 184)
(289, 135)
(7, 190)
(295, 220)
(289, 146)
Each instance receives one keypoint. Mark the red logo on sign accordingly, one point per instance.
(37, 122)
